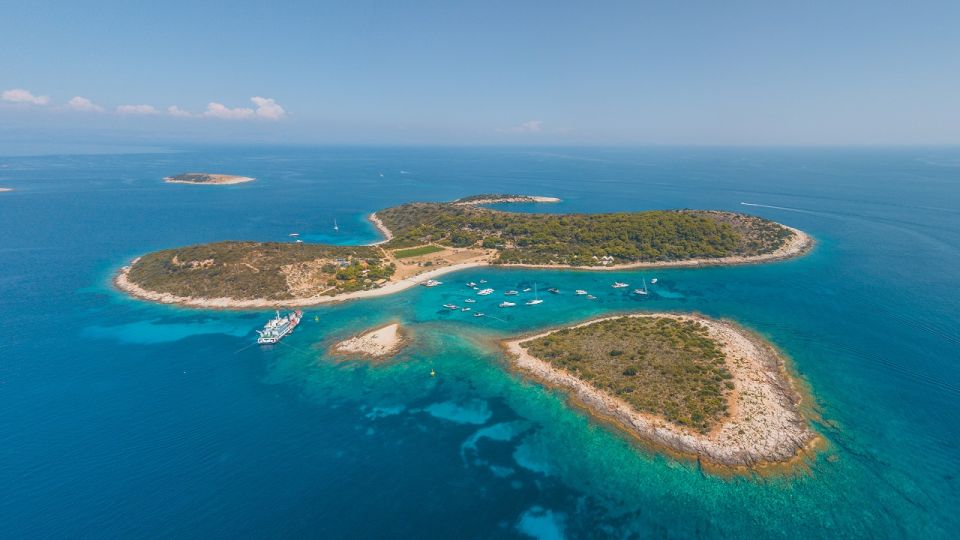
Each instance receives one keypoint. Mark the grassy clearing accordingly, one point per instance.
(416, 252)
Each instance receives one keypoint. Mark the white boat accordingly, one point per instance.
(653, 281)
(299, 241)
(485, 292)
(527, 289)
(471, 284)
(643, 291)
(465, 309)
(536, 298)
(294, 234)
(431, 283)
(278, 327)
(507, 304)
(620, 285)
(591, 297)
(511, 293)
(451, 306)
(580, 292)
(335, 226)
(470, 300)
(478, 314)
(483, 281)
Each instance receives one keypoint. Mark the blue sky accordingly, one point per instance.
(751, 73)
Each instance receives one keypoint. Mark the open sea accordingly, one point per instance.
(124, 419)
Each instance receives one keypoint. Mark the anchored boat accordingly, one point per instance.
(278, 327)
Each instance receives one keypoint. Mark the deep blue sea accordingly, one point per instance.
(124, 419)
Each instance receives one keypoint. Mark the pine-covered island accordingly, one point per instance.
(425, 240)
(694, 386)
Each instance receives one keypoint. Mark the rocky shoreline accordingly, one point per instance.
(765, 426)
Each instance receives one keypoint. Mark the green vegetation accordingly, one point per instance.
(659, 365)
(269, 270)
(584, 239)
(416, 252)
(494, 196)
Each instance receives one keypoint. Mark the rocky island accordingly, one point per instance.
(378, 343)
(685, 383)
(425, 240)
(207, 179)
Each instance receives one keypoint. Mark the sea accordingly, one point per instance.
(125, 419)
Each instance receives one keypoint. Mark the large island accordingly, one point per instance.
(685, 383)
(425, 240)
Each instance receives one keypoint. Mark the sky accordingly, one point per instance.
(481, 73)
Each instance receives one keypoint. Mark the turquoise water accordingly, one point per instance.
(120, 418)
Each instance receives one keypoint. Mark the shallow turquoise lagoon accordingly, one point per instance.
(125, 419)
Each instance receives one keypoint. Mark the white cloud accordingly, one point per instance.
(137, 109)
(19, 95)
(267, 108)
(80, 103)
(219, 110)
(530, 126)
(173, 110)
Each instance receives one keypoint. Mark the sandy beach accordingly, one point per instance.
(765, 426)
(377, 343)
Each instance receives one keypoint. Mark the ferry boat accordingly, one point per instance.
(620, 285)
(431, 283)
(507, 304)
(278, 327)
(485, 292)
(580, 292)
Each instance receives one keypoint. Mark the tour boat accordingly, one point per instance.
(431, 283)
(580, 292)
(485, 292)
(507, 304)
(278, 327)
(620, 285)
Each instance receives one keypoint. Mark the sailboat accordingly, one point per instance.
(536, 297)
(642, 291)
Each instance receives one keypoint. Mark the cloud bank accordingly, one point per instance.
(19, 95)
(265, 108)
(80, 103)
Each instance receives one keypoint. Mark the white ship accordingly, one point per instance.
(278, 327)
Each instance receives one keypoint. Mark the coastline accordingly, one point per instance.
(224, 181)
(764, 429)
(798, 245)
(516, 199)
